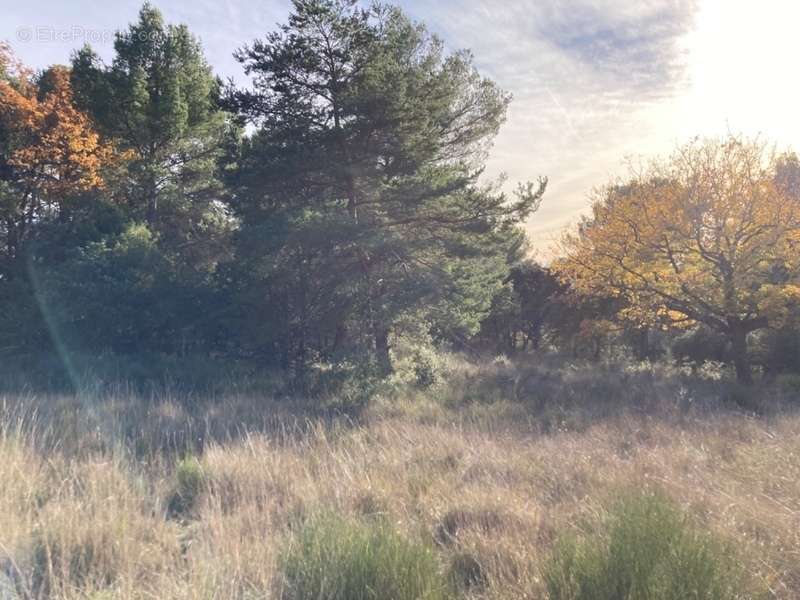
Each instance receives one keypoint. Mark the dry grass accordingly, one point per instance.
(86, 487)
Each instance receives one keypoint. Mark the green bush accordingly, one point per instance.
(467, 573)
(745, 397)
(424, 370)
(335, 559)
(790, 384)
(648, 551)
(189, 485)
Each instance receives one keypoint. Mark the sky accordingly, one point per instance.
(596, 83)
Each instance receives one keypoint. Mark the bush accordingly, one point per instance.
(334, 559)
(647, 552)
(189, 485)
(790, 385)
(424, 370)
(467, 573)
(777, 350)
(699, 345)
(745, 397)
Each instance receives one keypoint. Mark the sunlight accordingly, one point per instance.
(743, 70)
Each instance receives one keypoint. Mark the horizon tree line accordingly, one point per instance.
(151, 214)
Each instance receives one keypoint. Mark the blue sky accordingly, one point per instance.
(596, 82)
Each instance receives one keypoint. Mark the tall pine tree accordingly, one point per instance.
(159, 100)
(358, 191)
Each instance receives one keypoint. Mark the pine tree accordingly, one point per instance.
(359, 191)
(159, 99)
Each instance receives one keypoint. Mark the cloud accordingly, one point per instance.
(628, 51)
(587, 78)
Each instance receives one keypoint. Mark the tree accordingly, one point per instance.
(159, 99)
(53, 167)
(139, 278)
(365, 163)
(706, 236)
(537, 290)
(49, 152)
(11, 68)
(787, 175)
(524, 308)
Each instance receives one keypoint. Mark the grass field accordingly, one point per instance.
(466, 489)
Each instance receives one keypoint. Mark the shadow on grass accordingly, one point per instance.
(537, 395)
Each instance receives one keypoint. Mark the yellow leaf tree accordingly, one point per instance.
(49, 150)
(705, 236)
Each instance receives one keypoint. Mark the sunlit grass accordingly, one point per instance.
(176, 498)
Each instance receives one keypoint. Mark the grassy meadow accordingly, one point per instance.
(279, 321)
(494, 481)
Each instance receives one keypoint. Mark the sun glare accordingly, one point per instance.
(743, 74)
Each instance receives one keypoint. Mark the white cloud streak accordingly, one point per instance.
(585, 76)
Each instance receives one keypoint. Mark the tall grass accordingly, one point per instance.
(648, 551)
(337, 559)
(463, 488)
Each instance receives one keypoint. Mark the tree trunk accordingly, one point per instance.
(382, 356)
(642, 344)
(535, 335)
(151, 213)
(11, 238)
(152, 209)
(339, 338)
(741, 360)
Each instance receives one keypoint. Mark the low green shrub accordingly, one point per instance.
(789, 383)
(647, 551)
(466, 573)
(190, 482)
(745, 397)
(335, 559)
(424, 371)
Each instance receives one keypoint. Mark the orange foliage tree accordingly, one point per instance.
(705, 236)
(49, 150)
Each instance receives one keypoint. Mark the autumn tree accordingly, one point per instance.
(49, 150)
(53, 166)
(706, 236)
(787, 175)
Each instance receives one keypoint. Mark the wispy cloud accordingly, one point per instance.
(586, 76)
(629, 47)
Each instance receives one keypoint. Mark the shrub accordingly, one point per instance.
(416, 360)
(424, 371)
(744, 397)
(467, 573)
(790, 384)
(335, 559)
(699, 345)
(341, 388)
(189, 485)
(648, 551)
